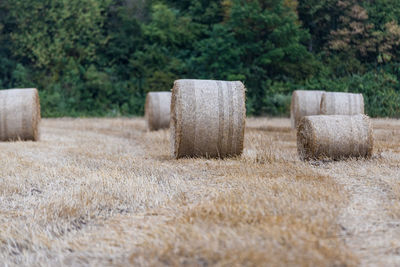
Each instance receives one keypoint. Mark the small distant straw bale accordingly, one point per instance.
(158, 110)
(19, 114)
(334, 137)
(337, 103)
(207, 118)
(304, 103)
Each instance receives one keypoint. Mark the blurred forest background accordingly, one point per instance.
(100, 57)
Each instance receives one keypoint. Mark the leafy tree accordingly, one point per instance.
(7, 62)
(381, 12)
(320, 17)
(168, 41)
(356, 36)
(257, 41)
(48, 32)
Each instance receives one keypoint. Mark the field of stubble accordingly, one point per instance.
(105, 191)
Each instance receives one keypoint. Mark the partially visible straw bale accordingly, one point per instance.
(337, 103)
(207, 118)
(19, 114)
(334, 136)
(158, 110)
(304, 103)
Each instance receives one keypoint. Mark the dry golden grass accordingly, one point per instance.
(105, 191)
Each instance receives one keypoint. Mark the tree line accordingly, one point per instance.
(101, 57)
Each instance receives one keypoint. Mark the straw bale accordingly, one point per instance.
(337, 103)
(158, 110)
(304, 103)
(334, 137)
(19, 114)
(207, 118)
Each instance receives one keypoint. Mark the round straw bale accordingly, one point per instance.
(334, 136)
(207, 118)
(157, 110)
(19, 114)
(304, 103)
(335, 103)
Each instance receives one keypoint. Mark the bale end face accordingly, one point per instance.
(306, 146)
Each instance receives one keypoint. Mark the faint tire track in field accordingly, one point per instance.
(367, 227)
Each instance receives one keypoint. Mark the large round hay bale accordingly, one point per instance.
(207, 118)
(304, 103)
(334, 136)
(158, 110)
(19, 114)
(337, 103)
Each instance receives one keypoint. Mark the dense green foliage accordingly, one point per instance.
(100, 57)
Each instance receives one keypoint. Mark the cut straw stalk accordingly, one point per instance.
(304, 103)
(157, 110)
(335, 137)
(19, 114)
(207, 118)
(337, 103)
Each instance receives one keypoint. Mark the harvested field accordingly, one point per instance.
(106, 191)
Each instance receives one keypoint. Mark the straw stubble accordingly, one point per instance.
(207, 118)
